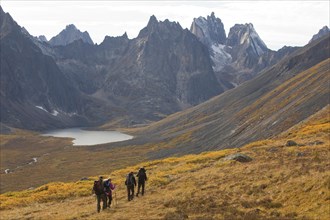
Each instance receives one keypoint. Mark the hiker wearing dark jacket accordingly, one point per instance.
(130, 184)
(108, 187)
(99, 191)
(142, 178)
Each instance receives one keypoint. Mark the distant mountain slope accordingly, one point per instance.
(34, 93)
(277, 99)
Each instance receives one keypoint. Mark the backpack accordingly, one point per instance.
(129, 180)
(97, 187)
(142, 175)
(107, 185)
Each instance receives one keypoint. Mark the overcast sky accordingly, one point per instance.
(278, 23)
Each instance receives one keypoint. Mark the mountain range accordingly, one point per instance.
(69, 81)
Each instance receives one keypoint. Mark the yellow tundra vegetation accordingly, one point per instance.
(281, 182)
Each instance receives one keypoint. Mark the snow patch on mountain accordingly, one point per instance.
(40, 107)
(219, 56)
(56, 112)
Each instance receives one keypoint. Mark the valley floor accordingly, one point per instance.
(281, 182)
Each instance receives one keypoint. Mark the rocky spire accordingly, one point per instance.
(152, 21)
(209, 30)
(245, 34)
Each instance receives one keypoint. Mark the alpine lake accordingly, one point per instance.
(87, 137)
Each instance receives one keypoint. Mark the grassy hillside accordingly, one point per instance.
(281, 182)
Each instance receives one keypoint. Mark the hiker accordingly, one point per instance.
(98, 189)
(142, 178)
(130, 184)
(108, 187)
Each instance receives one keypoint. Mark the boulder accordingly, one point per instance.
(239, 157)
(291, 143)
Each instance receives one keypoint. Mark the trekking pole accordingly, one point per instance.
(116, 201)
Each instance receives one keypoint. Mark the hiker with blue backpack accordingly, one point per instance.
(108, 187)
(130, 184)
(98, 189)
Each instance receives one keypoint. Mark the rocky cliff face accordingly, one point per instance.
(210, 31)
(174, 54)
(70, 34)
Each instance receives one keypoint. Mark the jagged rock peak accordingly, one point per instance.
(125, 35)
(245, 34)
(322, 32)
(115, 41)
(70, 34)
(209, 30)
(71, 27)
(165, 27)
(152, 21)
